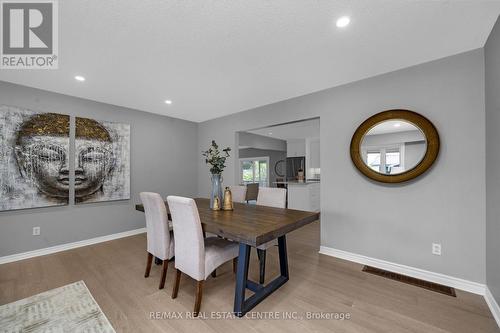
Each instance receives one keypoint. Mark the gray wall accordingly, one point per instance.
(274, 156)
(492, 69)
(445, 205)
(163, 159)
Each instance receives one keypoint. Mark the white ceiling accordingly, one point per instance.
(298, 130)
(390, 126)
(217, 57)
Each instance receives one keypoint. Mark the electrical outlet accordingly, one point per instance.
(36, 231)
(436, 249)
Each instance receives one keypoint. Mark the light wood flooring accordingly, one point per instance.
(113, 271)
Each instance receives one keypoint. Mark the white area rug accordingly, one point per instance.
(70, 308)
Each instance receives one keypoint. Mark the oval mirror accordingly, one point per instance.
(394, 146)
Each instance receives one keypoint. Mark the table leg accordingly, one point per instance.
(242, 305)
(283, 256)
(241, 279)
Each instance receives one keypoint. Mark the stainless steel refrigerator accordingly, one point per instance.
(293, 165)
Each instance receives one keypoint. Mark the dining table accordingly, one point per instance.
(252, 225)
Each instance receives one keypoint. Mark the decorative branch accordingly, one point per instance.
(215, 158)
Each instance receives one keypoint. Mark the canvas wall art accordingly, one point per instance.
(34, 156)
(102, 161)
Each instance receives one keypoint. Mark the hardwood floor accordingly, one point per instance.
(114, 273)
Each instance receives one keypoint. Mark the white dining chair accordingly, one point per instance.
(239, 193)
(271, 197)
(160, 240)
(195, 255)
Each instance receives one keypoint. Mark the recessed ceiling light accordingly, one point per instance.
(168, 102)
(270, 133)
(397, 124)
(343, 22)
(79, 78)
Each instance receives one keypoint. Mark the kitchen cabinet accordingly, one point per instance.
(304, 196)
(314, 153)
(313, 158)
(295, 147)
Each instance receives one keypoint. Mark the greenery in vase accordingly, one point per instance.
(215, 158)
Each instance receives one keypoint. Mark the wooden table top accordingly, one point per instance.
(250, 224)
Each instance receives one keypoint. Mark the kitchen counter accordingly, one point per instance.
(296, 182)
(304, 195)
(309, 182)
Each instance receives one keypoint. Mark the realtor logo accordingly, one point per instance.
(29, 37)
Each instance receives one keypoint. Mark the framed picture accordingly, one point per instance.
(102, 161)
(34, 159)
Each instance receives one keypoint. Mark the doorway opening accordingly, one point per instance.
(285, 155)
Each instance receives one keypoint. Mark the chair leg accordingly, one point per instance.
(149, 261)
(176, 284)
(235, 264)
(163, 274)
(197, 302)
(262, 265)
(214, 273)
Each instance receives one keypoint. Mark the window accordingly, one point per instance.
(387, 160)
(254, 170)
(373, 160)
(392, 160)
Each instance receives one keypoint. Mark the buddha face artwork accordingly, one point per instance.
(102, 162)
(35, 168)
(34, 164)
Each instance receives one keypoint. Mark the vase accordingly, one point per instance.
(216, 188)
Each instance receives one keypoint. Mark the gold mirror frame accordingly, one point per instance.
(427, 128)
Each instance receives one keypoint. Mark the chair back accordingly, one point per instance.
(158, 235)
(189, 242)
(239, 193)
(272, 197)
(252, 191)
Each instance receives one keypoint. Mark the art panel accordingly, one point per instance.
(102, 161)
(34, 159)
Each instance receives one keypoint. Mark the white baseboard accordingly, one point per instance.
(470, 286)
(493, 305)
(68, 246)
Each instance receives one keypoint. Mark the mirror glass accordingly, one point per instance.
(392, 147)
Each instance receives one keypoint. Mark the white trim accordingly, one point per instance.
(68, 246)
(493, 305)
(470, 286)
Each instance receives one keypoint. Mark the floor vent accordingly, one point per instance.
(439, 288)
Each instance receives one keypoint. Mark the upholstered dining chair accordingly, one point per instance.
(252, 191)
(271, 197)
(196, 256)
(239, 193)
(160, 239)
